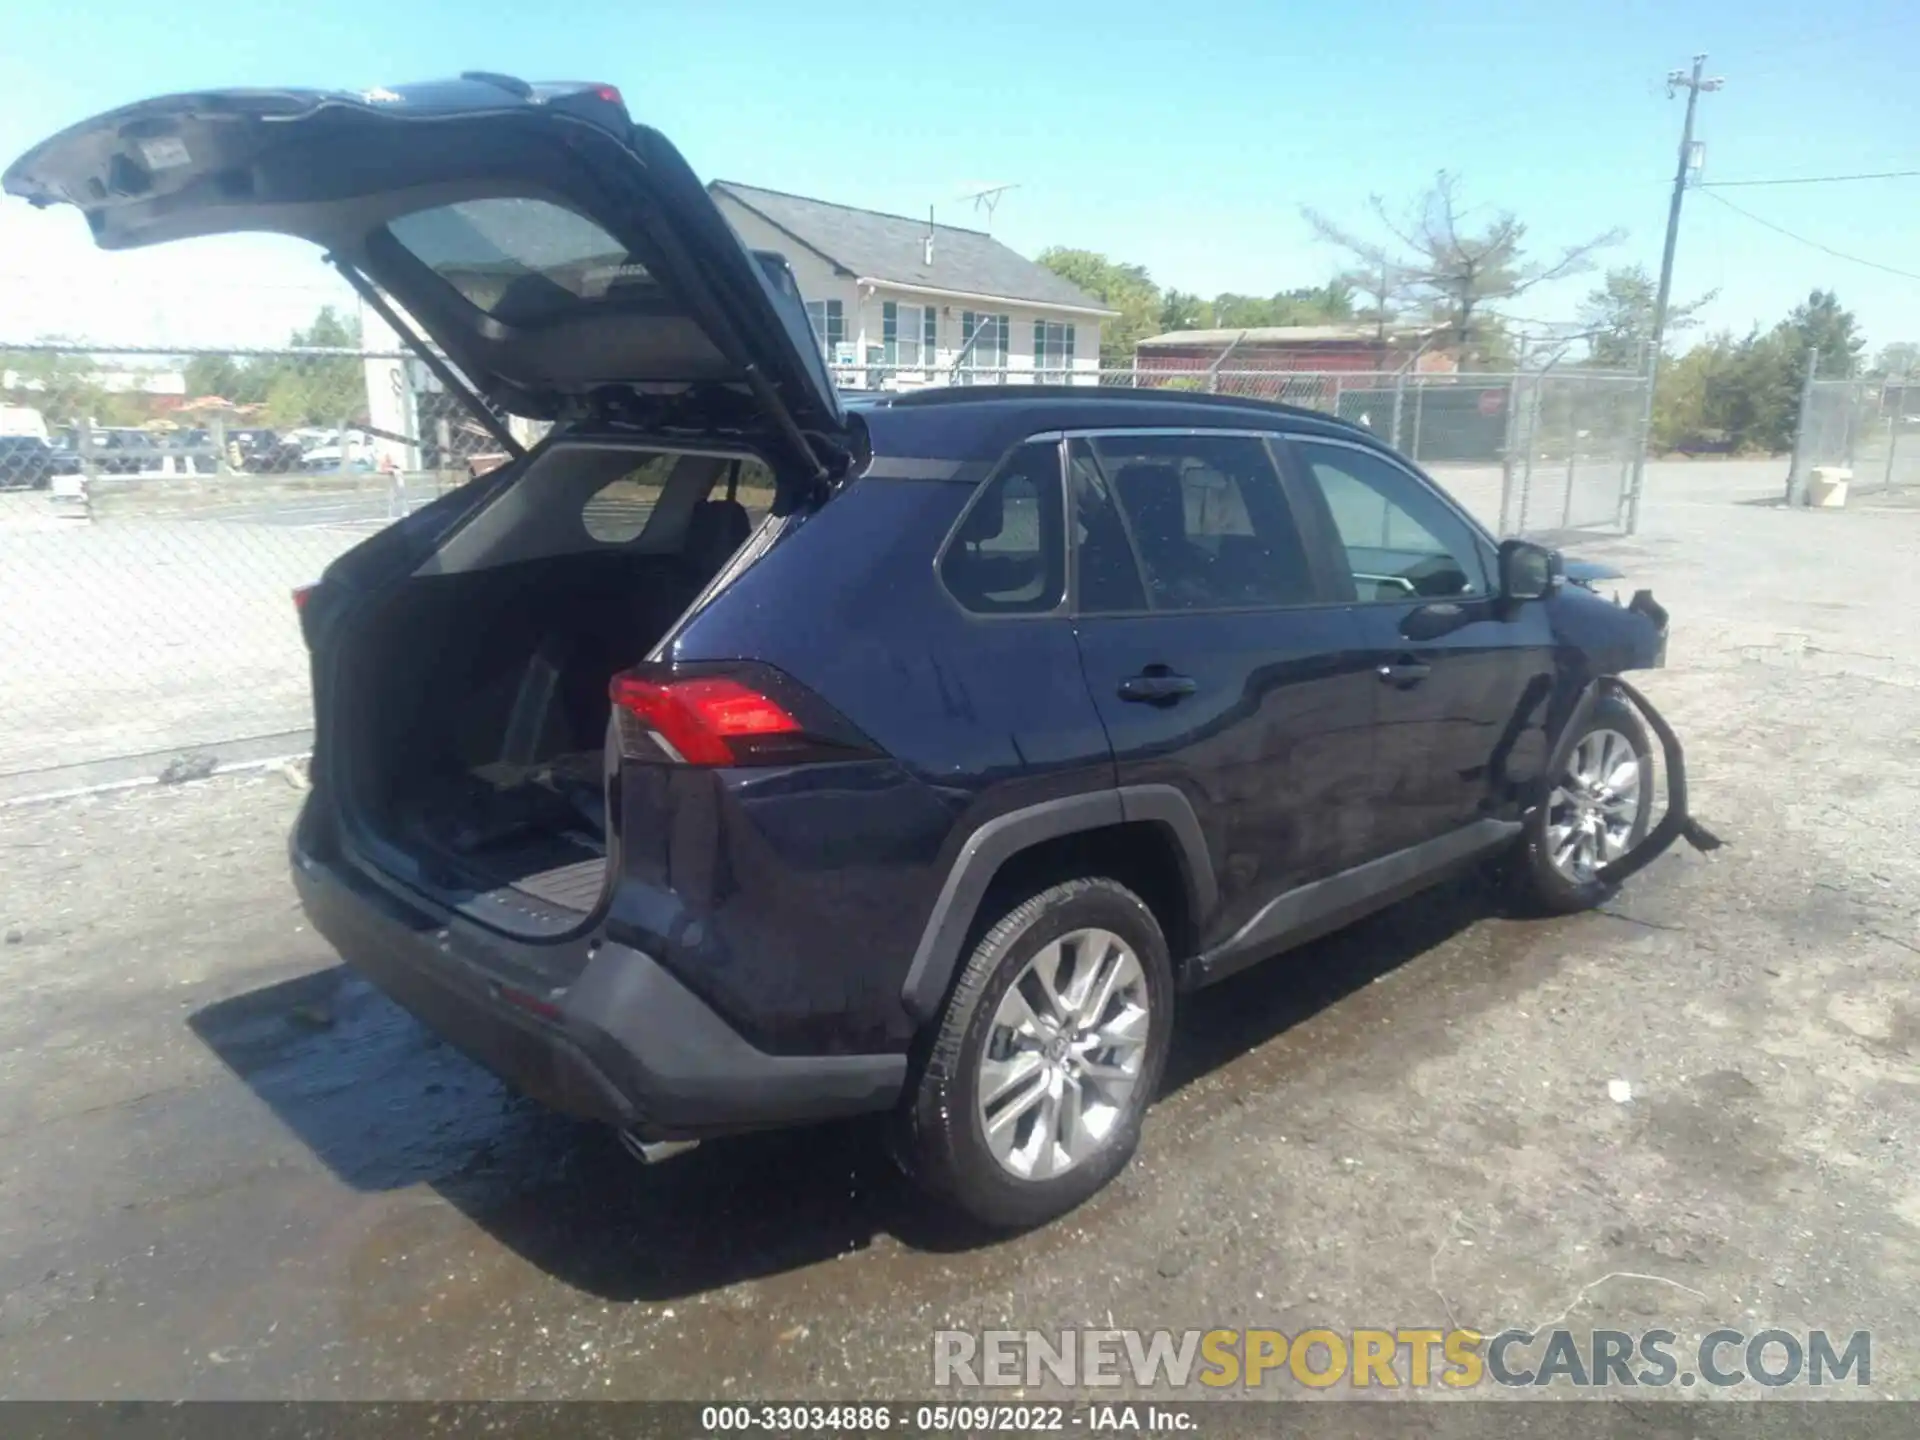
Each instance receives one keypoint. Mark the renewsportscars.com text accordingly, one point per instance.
(1404, 1357)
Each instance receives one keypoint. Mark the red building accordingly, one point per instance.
(1293, 348)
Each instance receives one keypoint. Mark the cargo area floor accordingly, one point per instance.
(535, 834)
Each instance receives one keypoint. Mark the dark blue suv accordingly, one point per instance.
(739, 757)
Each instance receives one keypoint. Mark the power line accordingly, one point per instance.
(1812, 179)
(1802, 239)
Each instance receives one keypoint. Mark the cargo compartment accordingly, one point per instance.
(471, 718)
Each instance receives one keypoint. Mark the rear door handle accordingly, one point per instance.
(1404, 673)
(1157, 686)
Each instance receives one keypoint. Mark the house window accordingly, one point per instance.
(1052, 349)
(829, 321)
(909, 334)
(989, 353)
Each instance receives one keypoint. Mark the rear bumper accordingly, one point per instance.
(625, 1043)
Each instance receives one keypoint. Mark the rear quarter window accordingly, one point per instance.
(1008, 555)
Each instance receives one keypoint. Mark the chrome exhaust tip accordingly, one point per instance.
(652, 1152)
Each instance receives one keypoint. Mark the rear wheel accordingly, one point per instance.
(1597, 809)
(1046, 1057)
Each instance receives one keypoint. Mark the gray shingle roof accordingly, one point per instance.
(867, 243)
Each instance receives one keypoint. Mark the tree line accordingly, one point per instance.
(291, 391)
(68, 382)
(1439, 265)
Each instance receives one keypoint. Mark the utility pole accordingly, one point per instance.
(1693, 84)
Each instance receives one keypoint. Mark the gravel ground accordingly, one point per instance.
(228, 1169)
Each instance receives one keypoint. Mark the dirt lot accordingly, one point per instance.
(228, 1169)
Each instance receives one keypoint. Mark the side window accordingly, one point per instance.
(1208, 519)
(1008, 556)
(1402, 541)
(1106, 574)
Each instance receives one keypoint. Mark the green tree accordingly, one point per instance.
(1455, 268)
(1746, 393)
(63, 383)
(1126, 288)
(293, 390)
(226, 376)
(1619, 318)
(1819, 323)
(1898, 360)
(319, 390)
(1181, 311)
(1328, 304)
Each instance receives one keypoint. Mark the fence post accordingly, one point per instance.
(1508, 444)
(89, 465)
(1529, 438)
(1573, 453)
(1893, 428)
(217, 438)
(1399, 404)
(1336, 399)
(1643, 436)
(1796, 467)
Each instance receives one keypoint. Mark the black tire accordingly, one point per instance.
(943, 1143)
(1540, 886)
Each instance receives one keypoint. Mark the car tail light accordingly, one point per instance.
(609, 93)
(300, 594)
(738, 715)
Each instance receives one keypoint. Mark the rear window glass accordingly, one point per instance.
(519, 260)
(619, 510)
(737, 495)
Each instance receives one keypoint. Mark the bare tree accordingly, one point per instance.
(1451, 262)
(1384, 287)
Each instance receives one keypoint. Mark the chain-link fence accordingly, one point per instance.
(153, 528)
(1866, 430)
(1570, 457)
(1528, 452)
(160, 506)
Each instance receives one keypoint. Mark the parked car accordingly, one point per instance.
(26, 463)
(18, 420)
(1025, 710)
(124, 450)
(190, 451)
(261, 452)
(337, 451)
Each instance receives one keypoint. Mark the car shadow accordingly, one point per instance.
(386, 1105)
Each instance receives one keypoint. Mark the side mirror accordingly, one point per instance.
(1527, 571)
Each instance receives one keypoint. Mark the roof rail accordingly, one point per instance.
(1149, 394)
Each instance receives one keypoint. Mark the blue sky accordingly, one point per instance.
(1180, 136)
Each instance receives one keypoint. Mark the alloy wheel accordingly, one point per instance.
(1063, 1054)
(1595, 808)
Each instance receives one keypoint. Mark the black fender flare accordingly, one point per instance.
(998, 840)
(1677, 824)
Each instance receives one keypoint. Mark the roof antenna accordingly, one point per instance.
(987, 198)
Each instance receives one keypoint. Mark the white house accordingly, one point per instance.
(902, 303)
